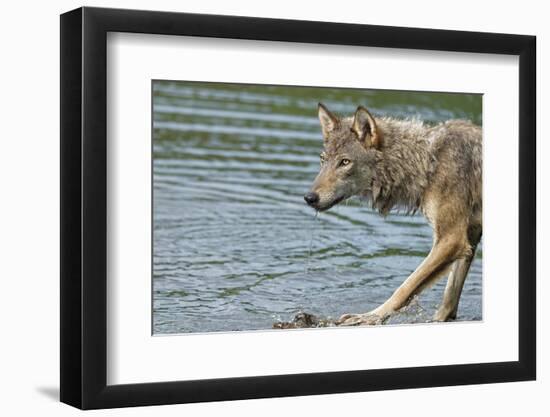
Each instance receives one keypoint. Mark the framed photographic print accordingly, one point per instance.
(257, 208)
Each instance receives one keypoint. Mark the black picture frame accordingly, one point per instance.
(84, 207)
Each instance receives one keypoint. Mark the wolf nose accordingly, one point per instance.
(311, 198)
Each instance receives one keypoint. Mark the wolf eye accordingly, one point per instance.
(345, 162)
(323, 158)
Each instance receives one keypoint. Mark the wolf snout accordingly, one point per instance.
(311, 198)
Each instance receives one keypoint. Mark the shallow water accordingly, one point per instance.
(236, 248)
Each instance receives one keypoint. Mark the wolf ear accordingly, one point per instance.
(365, 128)
(327, 119)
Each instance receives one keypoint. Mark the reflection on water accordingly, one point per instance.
(236, 248)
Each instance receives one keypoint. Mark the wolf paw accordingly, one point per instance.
(444, 314)
(361, 319)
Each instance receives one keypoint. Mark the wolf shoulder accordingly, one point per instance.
(457, 139)
(462, 132)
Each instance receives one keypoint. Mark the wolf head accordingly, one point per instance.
(348, 159)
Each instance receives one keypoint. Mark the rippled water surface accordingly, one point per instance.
(236, 248)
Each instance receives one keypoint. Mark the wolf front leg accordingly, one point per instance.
(455, 282)
(443, 254)
(449, 307)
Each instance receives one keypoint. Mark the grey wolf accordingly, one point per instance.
(407, 164)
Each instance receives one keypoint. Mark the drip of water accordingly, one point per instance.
(306, 271)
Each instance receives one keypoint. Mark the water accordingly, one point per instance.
(235, 246)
